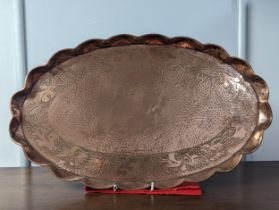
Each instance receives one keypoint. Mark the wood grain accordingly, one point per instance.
(253, 185)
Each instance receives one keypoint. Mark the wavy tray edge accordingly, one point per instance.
(259, 85)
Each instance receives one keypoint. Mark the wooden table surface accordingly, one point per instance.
(252, 185)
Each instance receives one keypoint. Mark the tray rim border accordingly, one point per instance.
(259, 85)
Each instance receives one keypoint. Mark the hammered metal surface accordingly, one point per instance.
(139, 112)
(130, 111)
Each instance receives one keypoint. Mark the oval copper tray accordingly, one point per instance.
(135, 110)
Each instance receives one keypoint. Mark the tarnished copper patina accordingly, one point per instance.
(135, 110)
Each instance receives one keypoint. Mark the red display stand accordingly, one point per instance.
(187, 188)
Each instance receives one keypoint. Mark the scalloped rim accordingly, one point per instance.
(258, 84)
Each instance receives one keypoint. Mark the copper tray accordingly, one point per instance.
(131, 111)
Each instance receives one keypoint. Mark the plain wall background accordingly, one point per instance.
(53, 25)
(263, 55)
(9, 152)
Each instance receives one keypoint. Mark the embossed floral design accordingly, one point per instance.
(76, 157)
(197, 157)
(47, 91)
(178, 161)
